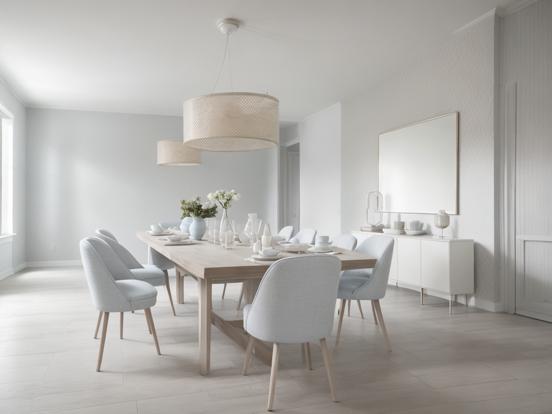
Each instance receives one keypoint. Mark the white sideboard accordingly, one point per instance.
(422, 263)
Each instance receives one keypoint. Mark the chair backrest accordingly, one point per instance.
(345, 241)
(380, 247)
(102, 267)
(306, 236)
(295, 301)
(106, 233)
(286, 233)
(121, 251)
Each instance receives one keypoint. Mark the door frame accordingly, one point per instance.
(283, 188)
(507, 211)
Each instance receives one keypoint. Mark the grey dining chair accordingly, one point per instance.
(150, 273)
(368, 284)
(294, 304)
(305, 236)
(348, 242)
(286, 232)
(113, 288)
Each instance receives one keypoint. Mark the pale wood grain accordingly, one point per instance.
(209, 261)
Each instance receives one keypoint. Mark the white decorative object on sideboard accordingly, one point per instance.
(438, 265)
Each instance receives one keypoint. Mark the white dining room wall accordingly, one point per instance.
(460, 77)
(94, 169)
(12, 250)
(320, 171)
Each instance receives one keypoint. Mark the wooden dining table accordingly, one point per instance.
(211, 264)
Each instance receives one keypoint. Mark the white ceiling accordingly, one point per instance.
(146, 56)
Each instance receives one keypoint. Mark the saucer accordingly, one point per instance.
(414, 232)
(393, 231)
(163, 233)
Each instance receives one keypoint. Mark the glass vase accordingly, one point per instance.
(226, 233)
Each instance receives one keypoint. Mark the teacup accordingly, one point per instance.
(269, 252)
(398, 225)
(322, 240)
(175, 238)
(414, 225)
(156, 229)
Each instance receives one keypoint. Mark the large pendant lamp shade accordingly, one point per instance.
(232, 121)
(175, 153)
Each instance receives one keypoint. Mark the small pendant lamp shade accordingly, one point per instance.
(171, 152)
(233, 121)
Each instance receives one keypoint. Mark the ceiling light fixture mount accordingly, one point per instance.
(231, 121)
(228, 26)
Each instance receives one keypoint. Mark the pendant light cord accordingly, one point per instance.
(225, 57)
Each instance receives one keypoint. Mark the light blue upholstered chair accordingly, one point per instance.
(305, 236)
(150, 273)
(348, 242)
(157, 259)
(368, 284)
(114, 289)
(345, 241)
(294, 304)
(286, 233)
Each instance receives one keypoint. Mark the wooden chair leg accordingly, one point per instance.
(360, 309)
(248, 355)
(148, 322)
(340, 323)
(152, 327)
(349, 308)
(377, 306)
(102, 340)
(98, 325)
(273, 375)
(179, 287)
(121, 318)
(224, 291)
(308, 359)
(168, 285)
(329, 368)
(374, 312)
(240, 299)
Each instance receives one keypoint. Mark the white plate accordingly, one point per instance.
(414, 232)
(265, 258)
(295, 248)
(165, 233)
(318, 250)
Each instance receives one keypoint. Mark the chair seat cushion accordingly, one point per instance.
(149, 273)
(141, 295)
(351, 281)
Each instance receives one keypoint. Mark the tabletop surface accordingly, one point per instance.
(210, 261)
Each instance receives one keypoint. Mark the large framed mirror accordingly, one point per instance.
(418, 166)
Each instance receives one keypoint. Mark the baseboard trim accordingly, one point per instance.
(11, 271)
(54, 263)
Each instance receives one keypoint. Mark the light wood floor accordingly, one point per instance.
(472, 362)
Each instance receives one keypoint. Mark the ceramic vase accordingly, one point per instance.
(185, 224)
(197, 228)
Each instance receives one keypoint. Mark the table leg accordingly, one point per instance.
(249, 290)
(179, 286)
(205, 307)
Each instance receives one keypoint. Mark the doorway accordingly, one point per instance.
(290, 166)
